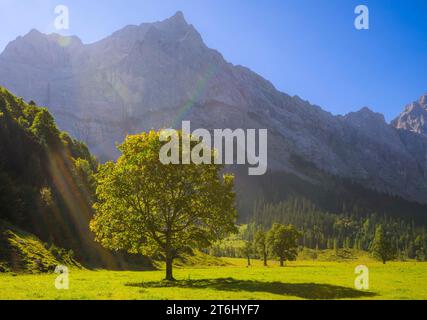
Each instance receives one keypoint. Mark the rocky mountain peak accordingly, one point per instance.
(33, 34)
(34, 39)
(177, 22)
(168, 31)
(423, 100)
(365, 115)
(39, 39)
(414, 117)
(177, 19)
(373, 125)
(38, 49)
(176, 28)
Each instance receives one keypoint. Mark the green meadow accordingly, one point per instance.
(304, 279)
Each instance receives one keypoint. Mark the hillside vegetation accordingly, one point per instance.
(46, 188)
(25, 253)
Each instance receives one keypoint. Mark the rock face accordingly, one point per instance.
(155, 75)
(414, 118)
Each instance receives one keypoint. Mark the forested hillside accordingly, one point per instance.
(46, 183)
(351, 229)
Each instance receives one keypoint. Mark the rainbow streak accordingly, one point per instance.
(200, 87)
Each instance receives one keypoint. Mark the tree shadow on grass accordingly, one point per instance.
(302, 290)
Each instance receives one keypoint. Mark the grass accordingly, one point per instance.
(298, 280)
(25, 253)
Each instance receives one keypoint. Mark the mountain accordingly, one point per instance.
(414, 117)
(156, 74)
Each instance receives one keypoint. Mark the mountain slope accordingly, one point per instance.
(46, 190)
(23, 252)
(42, 190)
(156, 74)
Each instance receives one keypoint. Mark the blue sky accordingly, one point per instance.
(308, 48)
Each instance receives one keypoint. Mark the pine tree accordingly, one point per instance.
(381, 246)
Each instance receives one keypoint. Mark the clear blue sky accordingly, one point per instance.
(305, 47)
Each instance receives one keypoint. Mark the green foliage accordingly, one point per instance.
(146, 207)
(46, 179)
(84, 176)
(198, 259)
(339, 255)
(382, 247)
(420, 247)
(44, 128)
(231, 246)
(283, 242)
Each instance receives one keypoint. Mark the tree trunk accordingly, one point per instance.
(282, 264)
(169, 264)
(265, 260)
(249, 261)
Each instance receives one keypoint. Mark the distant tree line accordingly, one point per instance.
(352, 229)
(385, 237)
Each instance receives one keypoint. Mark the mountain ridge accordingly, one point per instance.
(156, 74)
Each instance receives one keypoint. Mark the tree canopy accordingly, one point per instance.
(144, 206)
(283, 242)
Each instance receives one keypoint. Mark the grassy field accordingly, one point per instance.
(299, 280)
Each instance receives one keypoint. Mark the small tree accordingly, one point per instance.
(144, 206)
(283, 242)
(247, 251)
(381, 247)
(419, 248)
(261, 245)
